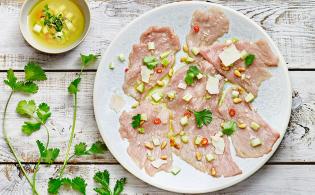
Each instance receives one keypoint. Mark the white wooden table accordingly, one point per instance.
(291, 24)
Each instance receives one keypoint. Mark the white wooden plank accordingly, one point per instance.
(271, 179)
(290, 24)
(298, 145)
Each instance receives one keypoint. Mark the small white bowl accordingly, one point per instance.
(26, 32)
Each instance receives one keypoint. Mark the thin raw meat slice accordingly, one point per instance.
(142, 155)
(250, 77)
(242, 137)
(164, 40)
(222, 164)
(201, 99)
(206, 27)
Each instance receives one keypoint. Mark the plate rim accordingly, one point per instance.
(244, 175)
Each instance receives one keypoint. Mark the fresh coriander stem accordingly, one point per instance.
(7, 140)
(71, 135)
(35, 173)
(39, 160)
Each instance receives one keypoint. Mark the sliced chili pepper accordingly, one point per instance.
(204, 141)
(232, 112)
(187, 114)
(157, 121)
(196, 28)
(172, 141)
(159, 70)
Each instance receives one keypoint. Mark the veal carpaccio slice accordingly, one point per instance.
(251, 76)
(206, 27)
(164, 40)
(223, 164)
(242, 137)
(143, 155)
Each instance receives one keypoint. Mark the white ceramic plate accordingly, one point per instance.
(273, 102)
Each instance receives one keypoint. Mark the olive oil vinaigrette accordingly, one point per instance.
(56, 23)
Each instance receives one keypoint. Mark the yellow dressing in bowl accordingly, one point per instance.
(56, 23)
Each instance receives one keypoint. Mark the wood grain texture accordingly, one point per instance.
(271, 179)
(289, 23)
(298, 145)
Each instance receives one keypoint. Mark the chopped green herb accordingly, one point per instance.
(136, 121)
(249, 60)
(203, 117)
(150, 62)
(53, 21)
(229, 127)
(191, 75)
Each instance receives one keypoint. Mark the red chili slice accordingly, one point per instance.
(159, 70)
(187, 114)
(126, 69)
(196, 28)
(232, 112)
(157, 121)
(204, 141)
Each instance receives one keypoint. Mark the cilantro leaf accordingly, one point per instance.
(79, 185)
(73, 87)
(80, 149)
(191, 75)
(102, 191)
(54, 185)
(136, 121)
(33, 72)
(203, 117)
(26, 108)
(30, 127)
(88, 59)
(11, 79)
(98, 148)
(26, 87)
(43, 112)
(249, 60)
(47, 155)
(119, 186)
(20, 86)
(102, 177)
(150, 62)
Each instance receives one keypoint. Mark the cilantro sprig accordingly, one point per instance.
(102, 178)
(249, 60)
(73, 89)
(28, 109)
(81, 149)
(136, 121)
(32, 73)
(203, 117)
(78, 184)
(47, 155)
(191, 75)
